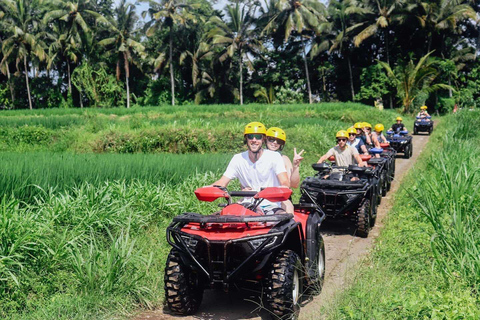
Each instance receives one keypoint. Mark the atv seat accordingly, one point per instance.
(375, 150)
(376, 161)
(384, 145)
(320, 166)
(331, 159)
(365, 157)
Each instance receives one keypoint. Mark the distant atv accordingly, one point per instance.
(423, 125)
(340, 198)
(240, 246)
(401, 142)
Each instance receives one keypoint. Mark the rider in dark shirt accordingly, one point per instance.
(399, 126)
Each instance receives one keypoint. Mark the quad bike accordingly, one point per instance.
(341, 198)
(423, 124)
(240, 246)
(390, 154)
(401, 142)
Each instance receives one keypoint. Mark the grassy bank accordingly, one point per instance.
(426, 261)
(183, 129)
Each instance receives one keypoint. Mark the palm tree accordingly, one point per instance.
(123, 29)
(200, 77)
(380, 18)
(21, 24)
(64, 46)
(236, 37)
(75, 15)
(339, 30)
(299, 17)
(168, 14)
(441, 17)
(411, 79)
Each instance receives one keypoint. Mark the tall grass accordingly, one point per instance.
(89, 241)
(449, 198)
(26, 175)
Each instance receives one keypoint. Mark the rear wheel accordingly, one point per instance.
(363, 219)
(183, 290)
(415, 131)
(380, 189)
(385, 185)
(284, 285)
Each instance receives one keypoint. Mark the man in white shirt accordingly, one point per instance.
(256, 168)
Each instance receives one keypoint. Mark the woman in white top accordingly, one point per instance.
(276, 139)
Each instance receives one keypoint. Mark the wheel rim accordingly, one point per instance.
(296, 287)
(320, 262)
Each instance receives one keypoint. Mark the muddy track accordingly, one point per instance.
(343, 250)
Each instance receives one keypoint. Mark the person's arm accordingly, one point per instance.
(325, 156)
(364, 149)
(283, 179)
(223, 182)
(375, 141)
(359, 160)
(295, 177)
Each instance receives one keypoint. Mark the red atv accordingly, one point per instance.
(238, 246)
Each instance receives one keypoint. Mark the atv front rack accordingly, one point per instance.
(189, 217)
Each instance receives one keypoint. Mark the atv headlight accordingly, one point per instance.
(403, 142)
(190, 242)
(255, 243)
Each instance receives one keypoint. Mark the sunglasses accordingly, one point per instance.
(338, 140)
(252, 136)
(352, 134)
(272, 140)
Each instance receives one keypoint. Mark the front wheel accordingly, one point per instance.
(183, 288)
(363, 219)
(284, 285)
(317, 278)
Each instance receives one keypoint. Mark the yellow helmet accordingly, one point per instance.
(367, 125)
(358, 125)
(399, 119)
(342, 134)
(351, 130)
(424, 107)
(277, 133)
(379, 127)
(255, 127)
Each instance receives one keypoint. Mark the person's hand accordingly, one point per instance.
(247, 189)
(297, 157)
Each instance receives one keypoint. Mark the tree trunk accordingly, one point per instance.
(387, 46)
(171, 69)
(69, 78)
(127, 75)
(241, 78)
(351, 77)
(306, 72)
(80, 98)
(450, 93)
(12, 90)
(28, 85)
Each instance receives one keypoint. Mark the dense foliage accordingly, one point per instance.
(64, 53)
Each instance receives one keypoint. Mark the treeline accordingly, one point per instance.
(93, 53)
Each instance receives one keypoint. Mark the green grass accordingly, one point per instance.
(183, 129)
(26, 175)
(426, 261)
(85, 250)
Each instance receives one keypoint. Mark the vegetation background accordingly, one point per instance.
(101, 53)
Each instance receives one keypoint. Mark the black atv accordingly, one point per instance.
(423, 124)
(240, 246)
(401, 142)
(339, 197)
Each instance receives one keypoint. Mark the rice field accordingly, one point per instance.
(86, 195)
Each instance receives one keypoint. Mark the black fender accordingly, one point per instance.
(311, 239)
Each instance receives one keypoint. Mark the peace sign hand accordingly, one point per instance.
(297, 157)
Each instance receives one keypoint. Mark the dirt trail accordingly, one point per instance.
(343, 250)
